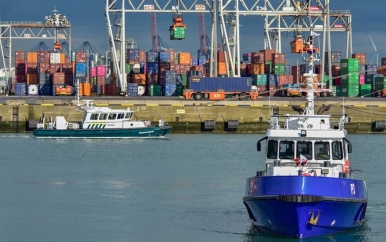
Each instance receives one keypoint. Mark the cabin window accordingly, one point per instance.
(112, 116)
(322, 150)
(336, 148)
(121, 115)
(304, 148)
(128, 115)
(103, 116)
(94, 116)
(286, 149)
(272, 149)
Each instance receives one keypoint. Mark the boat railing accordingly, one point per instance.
(296, 121)
(357, 174)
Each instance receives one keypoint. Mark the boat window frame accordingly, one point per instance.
(112, 116)
(288, 149)
(128, 115)
(341, 150)
(94, 116)
(121, 116)
(272, 148)
(103, 116)
(308, 153)
(322, 150)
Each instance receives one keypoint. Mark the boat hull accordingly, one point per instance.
(301, 207)
(148, 132)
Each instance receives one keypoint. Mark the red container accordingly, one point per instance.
(165, 66)
(257, 58)
(101, 80)
(151, 79)
(278, 58)
(80, 57)
(20, 56)
(32, 68)
(361, 57)
(268, 54)
(55, 68)
(20, 78)
(58, 78)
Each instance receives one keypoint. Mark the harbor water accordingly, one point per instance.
(181, 188)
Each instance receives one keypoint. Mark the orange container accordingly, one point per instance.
(32, 79)
(139, 79)
(184, 58)
(32, 57)
(254, 69)
(221, 68)
(62, 58)
(86, 89)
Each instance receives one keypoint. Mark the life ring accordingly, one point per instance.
(346, 167)
(306, 174)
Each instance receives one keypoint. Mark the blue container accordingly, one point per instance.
(152, 68)
(169, 89)
(132, 89)
(21, 89)
(228, 84)
(164, 57)
(247, 58)
(168, 77)
(152, 56)
(273, 80)
(80, 69)
(194, 62)
(201, 61)
(45, 90)
(133, 54)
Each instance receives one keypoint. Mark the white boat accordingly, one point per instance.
(307, 187)
(100, 122)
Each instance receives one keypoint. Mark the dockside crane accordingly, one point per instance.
(157, 42)
(58, 21)
(204, 38)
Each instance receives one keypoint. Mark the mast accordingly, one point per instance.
(310, 108)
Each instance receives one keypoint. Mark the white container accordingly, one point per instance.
(141, 90)
(32, 90)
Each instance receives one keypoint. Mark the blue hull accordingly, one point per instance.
(148, 132)
(301, 207)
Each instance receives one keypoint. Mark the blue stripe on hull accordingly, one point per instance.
(302, 207)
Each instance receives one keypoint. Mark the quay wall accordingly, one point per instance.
(189, 116)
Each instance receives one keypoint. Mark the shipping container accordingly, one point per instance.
(228, 84)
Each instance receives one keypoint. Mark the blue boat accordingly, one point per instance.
(100, 122)
(307, 187)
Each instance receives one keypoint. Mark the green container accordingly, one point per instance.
(259, 79)
(379, 82)
(154, 90)
(349, 65)
(184, 79)
(177, 33)
(350, 91)
(179, 90)
(365, 90)
(268, 67)
(350, 79)
(128, 68)
(279, 69)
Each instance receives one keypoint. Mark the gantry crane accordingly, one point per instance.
(157, 42)
(284, 16)
(115, 12)
(204, 39)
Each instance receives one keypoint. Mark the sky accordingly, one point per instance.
(88, 24)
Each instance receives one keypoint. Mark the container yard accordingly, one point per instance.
(222, 74)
